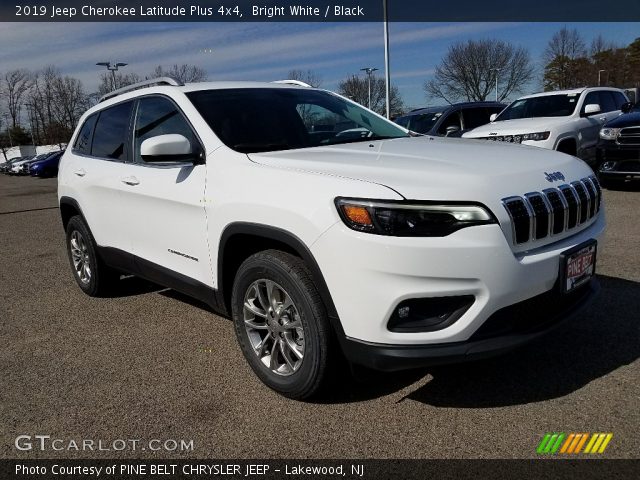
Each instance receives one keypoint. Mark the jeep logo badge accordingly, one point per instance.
(554, 176)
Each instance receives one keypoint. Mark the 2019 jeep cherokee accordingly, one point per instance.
(268, 202)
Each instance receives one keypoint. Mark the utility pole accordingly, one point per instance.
(369, 71)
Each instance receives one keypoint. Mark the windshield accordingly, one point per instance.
(268, 119)
(544, 106)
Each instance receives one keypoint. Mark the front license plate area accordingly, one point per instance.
(577, 266)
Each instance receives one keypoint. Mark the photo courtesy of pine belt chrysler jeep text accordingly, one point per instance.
(325, 230)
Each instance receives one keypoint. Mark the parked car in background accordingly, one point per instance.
(568, 121)
(15, 167)
(47, 167)
(449, 120)
(6, 166)
(21, 167)
(618, 153)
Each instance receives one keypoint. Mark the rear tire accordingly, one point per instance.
(281, 323)
(91, 274)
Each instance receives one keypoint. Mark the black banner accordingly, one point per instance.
(321, 469)
(317, 11)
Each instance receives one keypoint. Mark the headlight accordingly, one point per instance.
(401, 219)
(535, 136)
(609, 133)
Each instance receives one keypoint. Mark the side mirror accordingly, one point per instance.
(171, 147)
(493, 117)
(591, 109)
(451, 129)
(626, 107)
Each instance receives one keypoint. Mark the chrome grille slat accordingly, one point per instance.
(554, 211)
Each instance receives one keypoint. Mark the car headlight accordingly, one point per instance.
(538, 136)
(609, 133)
(402, 219)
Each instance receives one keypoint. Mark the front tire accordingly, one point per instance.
(91, 274)
(281, 323)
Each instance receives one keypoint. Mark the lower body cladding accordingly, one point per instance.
(409, 302)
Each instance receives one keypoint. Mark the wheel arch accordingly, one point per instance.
(69, 208)
(242, 239)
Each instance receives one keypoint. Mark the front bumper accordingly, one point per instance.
(507, 329)
(369, 276)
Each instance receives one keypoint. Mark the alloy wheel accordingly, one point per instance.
(273, 327)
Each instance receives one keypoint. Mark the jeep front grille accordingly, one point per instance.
(629, 136)
(553, 211)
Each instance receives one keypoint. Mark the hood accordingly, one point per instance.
(517, 127)
(428, 168)
(631, 119)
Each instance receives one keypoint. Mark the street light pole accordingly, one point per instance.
(113, 68)
(6, 120)
(386, 60)
(599, 76)
(369, 71)
(29, 113)
(496, 70)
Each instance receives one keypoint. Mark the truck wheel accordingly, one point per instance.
(281, 323)
(92, 276)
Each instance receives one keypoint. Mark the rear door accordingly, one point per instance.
(95, 165)
(165, 200)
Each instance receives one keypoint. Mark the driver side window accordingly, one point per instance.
(452, 120)
(159, 116)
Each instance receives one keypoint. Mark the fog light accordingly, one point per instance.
(608, 166)
(428, 314)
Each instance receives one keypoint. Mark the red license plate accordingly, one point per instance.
(579, 266)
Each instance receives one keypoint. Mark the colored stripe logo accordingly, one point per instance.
(574, 443)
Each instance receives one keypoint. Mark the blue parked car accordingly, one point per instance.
(47, 167)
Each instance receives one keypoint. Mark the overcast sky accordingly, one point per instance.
(267, 51)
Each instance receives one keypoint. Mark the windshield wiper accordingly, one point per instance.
(363, 139)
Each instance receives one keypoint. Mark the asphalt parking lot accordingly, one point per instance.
(152, 364)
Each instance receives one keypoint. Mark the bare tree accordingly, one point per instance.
(564, 59)
(357, 89)
(107, 83)
(469, 70)
(16, 85)
(184, 73)
(309, 77)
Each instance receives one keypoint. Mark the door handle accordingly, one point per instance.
(603, 119)
(131, 180)
(81, 172)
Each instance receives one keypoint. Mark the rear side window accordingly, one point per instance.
(620, 99)
(83, 140)
(475, 117)
(111, 131)
(159, 116)
(607, 103)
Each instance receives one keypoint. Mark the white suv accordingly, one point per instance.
(568, 121)
(321, 227)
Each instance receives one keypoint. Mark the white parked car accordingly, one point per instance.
(399, 251)
(568, 121)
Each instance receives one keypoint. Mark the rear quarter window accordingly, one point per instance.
(111, 132)
(82, 144)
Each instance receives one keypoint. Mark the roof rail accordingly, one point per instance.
(293, 82)
(146, 83)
